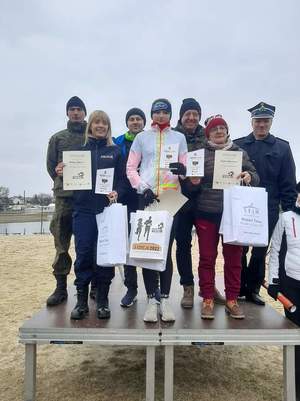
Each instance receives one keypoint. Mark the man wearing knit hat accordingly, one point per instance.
(135, 120)
(189, 125)
(274, 163)
(71, 138)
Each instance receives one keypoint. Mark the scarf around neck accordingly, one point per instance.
(224, 146)
(129, 136)
(161, 126)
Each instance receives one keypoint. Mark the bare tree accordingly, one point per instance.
(41, 199)
(4, 201)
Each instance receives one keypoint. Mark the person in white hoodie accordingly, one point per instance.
(288, 228)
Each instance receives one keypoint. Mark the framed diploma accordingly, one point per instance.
(77, 170)
(195, 163)
(104, 181)
(228, 165)
(169, 155)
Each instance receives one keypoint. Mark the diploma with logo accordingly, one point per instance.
(77, 170)
(195, 163)
(228, 165)
(104, 181)
(169, 155)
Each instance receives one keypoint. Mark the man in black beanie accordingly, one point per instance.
(71, 138)
(135, 120)
(189, 125)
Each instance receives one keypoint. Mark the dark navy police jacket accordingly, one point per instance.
(274, 163)
(102, 156)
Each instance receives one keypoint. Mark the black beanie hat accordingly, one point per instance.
(135, 111)
(189, 104)
(75, 101)
(161, 104)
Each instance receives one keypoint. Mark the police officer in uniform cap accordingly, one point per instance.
(274, 163)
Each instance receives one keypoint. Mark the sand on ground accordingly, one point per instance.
(102, 373)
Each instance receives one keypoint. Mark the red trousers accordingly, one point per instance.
(208, 239)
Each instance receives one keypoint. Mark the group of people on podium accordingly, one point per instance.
(139, 181)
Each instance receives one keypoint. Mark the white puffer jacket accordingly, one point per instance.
(290, 223)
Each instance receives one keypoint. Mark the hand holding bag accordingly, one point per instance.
(112, 241)
(245, 216)
(149, 239)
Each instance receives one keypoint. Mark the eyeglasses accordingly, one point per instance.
(211, 118)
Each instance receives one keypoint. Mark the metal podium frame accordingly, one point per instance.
(262, 326)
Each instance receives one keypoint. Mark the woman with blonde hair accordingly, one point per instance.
(87, 204)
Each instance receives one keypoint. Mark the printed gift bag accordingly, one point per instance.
(112, 242)
(149, 239)
(245, 216)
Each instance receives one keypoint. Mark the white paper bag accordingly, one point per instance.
(146, 259)
(245, 216)
(112, 242)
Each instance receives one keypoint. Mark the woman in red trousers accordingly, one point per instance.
(209, 208)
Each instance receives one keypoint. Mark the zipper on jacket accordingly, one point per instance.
(158, 164)
(294, 228)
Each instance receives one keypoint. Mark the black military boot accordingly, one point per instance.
(103, 311)
(81, 309)
(60, 293)
(255, 298)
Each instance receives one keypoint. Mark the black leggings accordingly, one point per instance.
(151, 277)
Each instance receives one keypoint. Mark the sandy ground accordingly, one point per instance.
(74, 373)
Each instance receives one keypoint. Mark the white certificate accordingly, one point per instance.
(77, 173)
(228, 165)
(195, 163)
(169, 155)
(104, 181)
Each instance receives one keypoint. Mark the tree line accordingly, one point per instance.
(6, 201)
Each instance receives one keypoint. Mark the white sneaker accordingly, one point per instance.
(167, 315)
(151, 311)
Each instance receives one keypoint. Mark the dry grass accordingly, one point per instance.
(73, 373)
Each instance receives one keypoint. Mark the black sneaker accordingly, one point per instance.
(129, 298)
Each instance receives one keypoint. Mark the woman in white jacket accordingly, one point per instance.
(288, 225)
(148, 175)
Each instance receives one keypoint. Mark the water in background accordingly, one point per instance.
(27, 228)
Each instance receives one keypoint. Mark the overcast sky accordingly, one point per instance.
(229, 55)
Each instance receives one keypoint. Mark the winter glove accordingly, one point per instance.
(273, 290)
(177, 168)
(149, 197)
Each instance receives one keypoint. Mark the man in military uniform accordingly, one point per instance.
(189, 125)
(71, 138)
(274, 163)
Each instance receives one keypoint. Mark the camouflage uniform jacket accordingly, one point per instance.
(71, 138)
(194, 141)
